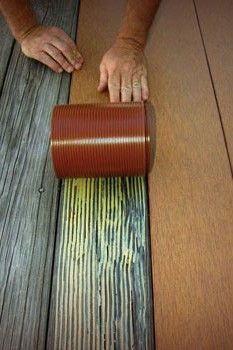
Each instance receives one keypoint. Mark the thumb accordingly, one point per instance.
(103, 83)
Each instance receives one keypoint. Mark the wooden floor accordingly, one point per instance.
(84, 263)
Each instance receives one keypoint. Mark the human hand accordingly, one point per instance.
(53, 47)
(123, 71)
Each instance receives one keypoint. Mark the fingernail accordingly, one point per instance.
(60, 70)
(78, 57)
(77, 65)
(70, 69)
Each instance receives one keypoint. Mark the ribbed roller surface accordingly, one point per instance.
(100, 140)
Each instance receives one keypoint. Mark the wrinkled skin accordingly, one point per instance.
(53, 47)
(123, 72)
(122, 69)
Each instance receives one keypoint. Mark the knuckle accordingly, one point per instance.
(65, 64)
(56, 55)
(54, 29)
(126, 88)
(144, 74)
(138, 71)
(127, 67)
(137, 75)
(67, 50)
(113, 83)
(136, 84)
(113, 80)
(62, 61)
(46, 37)
(113, 67)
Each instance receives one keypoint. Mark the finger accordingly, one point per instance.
(69, 50)
(74, 57)
(126, 88)
(145, 89)
(50, 62)
(114, 87)
(137, 89)
(60, 34)
(58, 56)
(103, 83)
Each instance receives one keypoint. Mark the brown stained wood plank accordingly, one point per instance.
(95, 35)
(29, 191)
(6, 42)
(190, 191)
(101, 297)
(216, 26)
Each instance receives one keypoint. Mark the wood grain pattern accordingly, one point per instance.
(6, 47)
(29, 191)
(101, 295)
(216, 25)
(102, 291)
(190, 191)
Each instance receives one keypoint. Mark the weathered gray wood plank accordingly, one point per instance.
(6, 41)
(29, 192)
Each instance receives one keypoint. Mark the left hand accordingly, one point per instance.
(53, 47)
(123, 71)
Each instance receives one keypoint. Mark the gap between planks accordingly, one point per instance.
(214, 89)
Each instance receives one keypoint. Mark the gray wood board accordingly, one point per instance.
(29, 192)
(6, 45)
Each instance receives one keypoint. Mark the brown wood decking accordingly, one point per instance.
(190, 188)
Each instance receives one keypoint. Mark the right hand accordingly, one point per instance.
(53, 47)
(123, 71)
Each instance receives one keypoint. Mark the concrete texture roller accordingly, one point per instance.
(100, 140)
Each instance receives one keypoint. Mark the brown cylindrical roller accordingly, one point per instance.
(100, 140)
